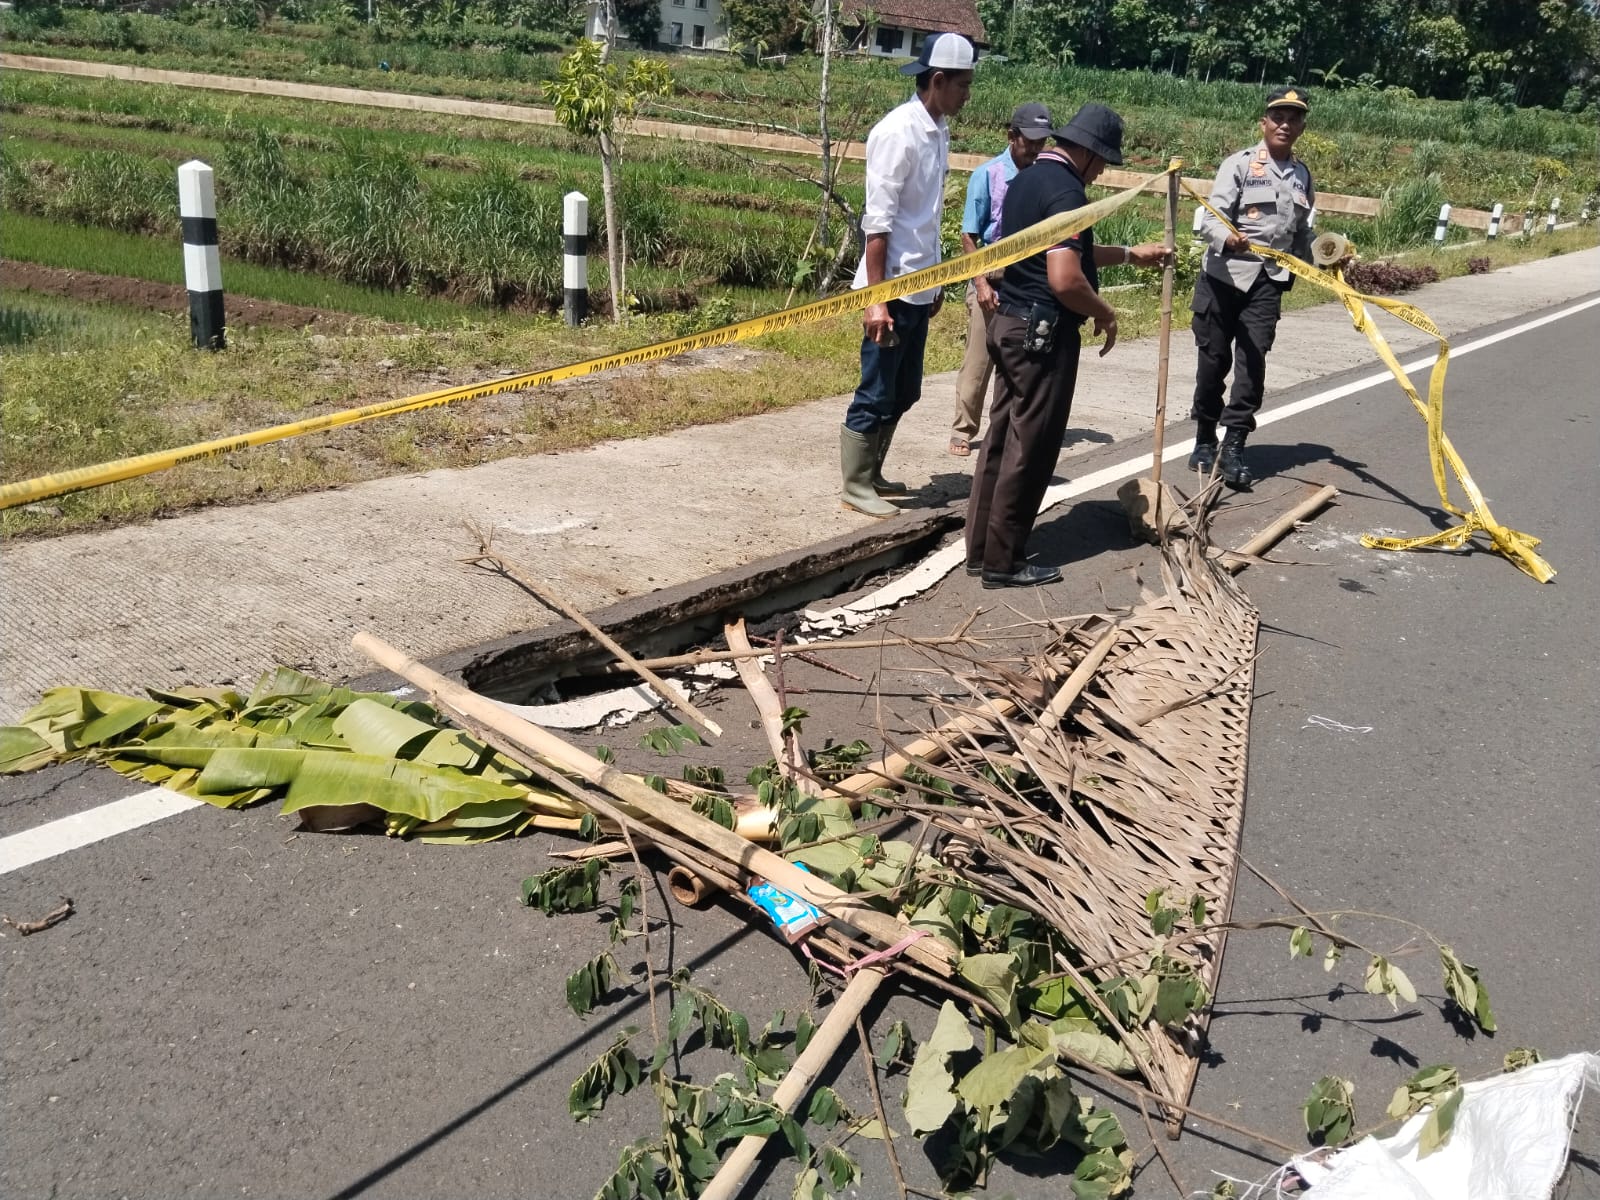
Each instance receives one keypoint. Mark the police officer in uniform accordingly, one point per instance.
(1267, 193)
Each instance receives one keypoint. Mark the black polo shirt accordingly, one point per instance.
(1048, 187)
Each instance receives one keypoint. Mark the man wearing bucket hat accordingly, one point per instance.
(908, 153)
(980, 224)
(1267, 193)
(1034, 339)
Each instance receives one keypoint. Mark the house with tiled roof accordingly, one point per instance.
(898, 28)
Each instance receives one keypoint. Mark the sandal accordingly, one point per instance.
(960, 446)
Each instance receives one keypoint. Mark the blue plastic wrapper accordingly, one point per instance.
(793, 916)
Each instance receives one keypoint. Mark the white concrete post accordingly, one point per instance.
(1199, 220)
(1550, 221)
(1442, 226)
(202, 266)
(1495, 214)
(575, 257)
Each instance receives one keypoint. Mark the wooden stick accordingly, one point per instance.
(1267, 537)
(1071, 689)
(785, 745)
(546, 596)
(1166, 339)
(892, 767)
(640, 798)
(697, 658)
(797, 1083)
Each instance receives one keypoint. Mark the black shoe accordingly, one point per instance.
(1231, 465)
(1026, 575)
(1203, 458)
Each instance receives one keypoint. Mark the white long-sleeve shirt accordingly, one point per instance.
(908, 153)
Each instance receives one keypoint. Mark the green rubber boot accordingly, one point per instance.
(858, 458)
(879, 484)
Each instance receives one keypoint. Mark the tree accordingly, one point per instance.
(770, 24)
(594, 98)
(640, 20)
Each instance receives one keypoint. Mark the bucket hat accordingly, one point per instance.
(943, 52)
(1096, 128)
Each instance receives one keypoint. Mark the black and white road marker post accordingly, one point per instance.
(1555, 211)
(1441, 227)
(202, 266)
(1495, 214)
(575, 257)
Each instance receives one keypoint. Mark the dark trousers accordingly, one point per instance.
(1233, 328)
(1032, 401)
(891, 376)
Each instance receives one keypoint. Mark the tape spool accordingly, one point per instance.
(1329, 248)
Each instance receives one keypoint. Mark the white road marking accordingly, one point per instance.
(936, 566)
(85, 828)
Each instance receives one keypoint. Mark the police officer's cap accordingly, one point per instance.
(1288, 96)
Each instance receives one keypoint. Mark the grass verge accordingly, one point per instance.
(105, 384)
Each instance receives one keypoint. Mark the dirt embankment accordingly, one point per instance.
(242, 311)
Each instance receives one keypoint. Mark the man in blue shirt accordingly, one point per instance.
(980, 225)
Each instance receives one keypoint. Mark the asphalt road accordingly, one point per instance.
(240, 1010)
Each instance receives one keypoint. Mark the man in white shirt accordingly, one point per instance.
(908, 154)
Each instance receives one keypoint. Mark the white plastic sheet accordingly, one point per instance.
(1510, 1142)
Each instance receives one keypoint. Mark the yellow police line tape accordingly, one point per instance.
(1518, 547)
(1007, 250)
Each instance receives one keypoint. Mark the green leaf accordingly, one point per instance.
(930, 1088)
(868, 1127)
(826, 1108)
(1091, 1045)
(839, 1167)
(1521, 1056)
(1464, 985)
(1332, 957)
(21, 749)
(1299, 942)
(1441, 1122)
(371, 728)
(1329, 1110)
(1383, 978)
(804, 1027)
(993, 1081)
(995, 977)
(898, 1044)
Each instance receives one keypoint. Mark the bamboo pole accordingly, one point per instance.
(1072, 688)
(798, 1082)
(546, 596)
(1238, 560)
(639, 797)
(785, 745)
(1167, 277)
(697, 658)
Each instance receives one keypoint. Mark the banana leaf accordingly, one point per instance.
(413, 789)
(371, 728)
(21, 749)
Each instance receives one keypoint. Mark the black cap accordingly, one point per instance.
(1288, 96)
(1094, 127)
(943, 52)
(1032, 121)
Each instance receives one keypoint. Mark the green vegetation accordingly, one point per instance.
(136, 385)
(1363, 135)
(380, 204)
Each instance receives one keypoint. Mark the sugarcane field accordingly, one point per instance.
(696, 599)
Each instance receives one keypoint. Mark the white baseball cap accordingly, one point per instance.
(943, 52)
